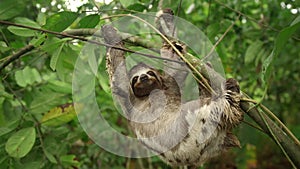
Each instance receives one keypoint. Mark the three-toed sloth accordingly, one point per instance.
(181, 133)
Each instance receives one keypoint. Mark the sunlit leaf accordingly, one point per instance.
(60, 87)
(21, 142)
(69, 160)
(4, 47)
(24, 31)
(297, 20)
(27, 76)
(58, 116)
(19, 78)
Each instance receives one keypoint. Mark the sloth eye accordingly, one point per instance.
(134, 80)
(151, 73)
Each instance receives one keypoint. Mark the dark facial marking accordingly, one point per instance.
(134, 80)
(151, 73)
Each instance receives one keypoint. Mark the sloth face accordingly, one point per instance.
(144, 80)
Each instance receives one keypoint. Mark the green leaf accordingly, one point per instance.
(44, 101)
(60, 86)
(103, 77)
(31, 164)
(3, 47)
(9, 127)
(213, 29)
(24, 31)
(92, 58)
(50, 157)
(69, 160)
(51, 45)
(66, 62)
(296, 20)
(137, 7)
(58, 116)
(55, 57)
(21, 142)
(127, 3)
(60, 21)
(11, 8)
(26, 22)
(38, 40)
(280, 42)
(252, 51)
(27, 76)
(89, 21)
(19, 78)
(283, 36)
(4, 94)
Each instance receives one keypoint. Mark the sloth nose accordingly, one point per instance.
(143, 78)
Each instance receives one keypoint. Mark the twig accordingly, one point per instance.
(252, 19)
(126, 37)
(221, 38)
(16, 56)
(254, 126)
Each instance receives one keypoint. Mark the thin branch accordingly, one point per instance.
(252, 19)
(265, 109)
(16, 56)
(126, 37)
(291, 148)
(64, 34)
(254, 126)
(221, 38)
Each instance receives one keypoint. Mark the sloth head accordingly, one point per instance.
(144, 79)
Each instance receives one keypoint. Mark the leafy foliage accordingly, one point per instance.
(38, 125)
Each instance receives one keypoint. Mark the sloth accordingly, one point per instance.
(181, 133)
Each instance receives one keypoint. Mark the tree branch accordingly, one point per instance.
(16, 56)
(76, 34)
(292, 148)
